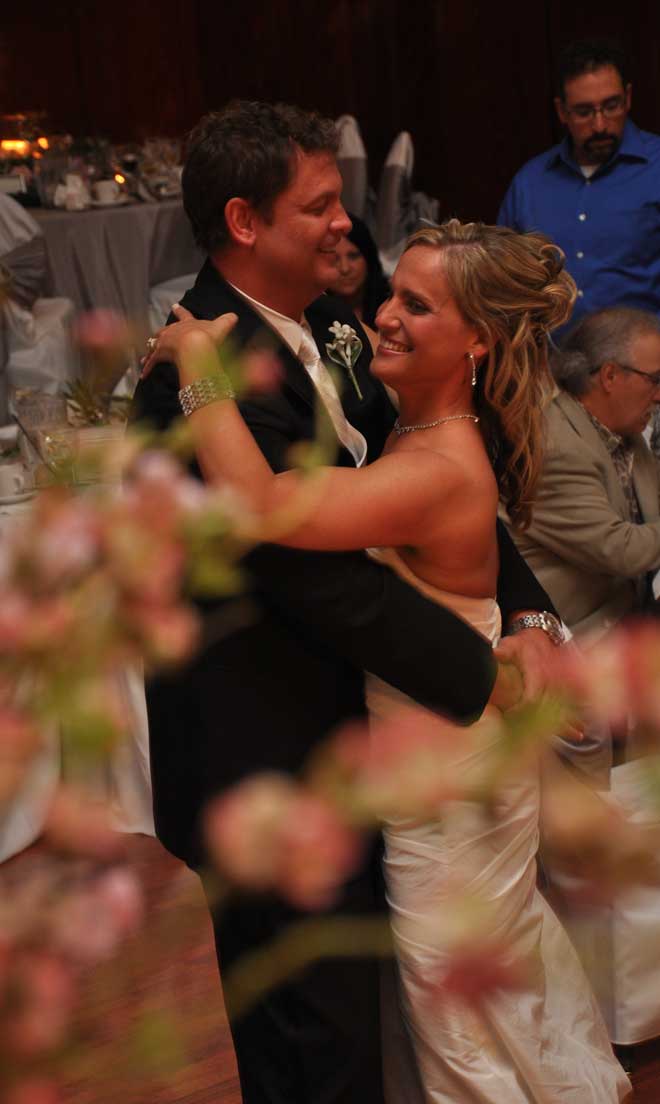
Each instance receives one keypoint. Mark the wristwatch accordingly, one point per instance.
(545, 621)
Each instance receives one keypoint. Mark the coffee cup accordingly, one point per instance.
(15, 479)
(106, 191)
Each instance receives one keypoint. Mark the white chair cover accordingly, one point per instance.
(399, 209)
(635, 930)
(163, 296)
(352, 164)
(40, 353)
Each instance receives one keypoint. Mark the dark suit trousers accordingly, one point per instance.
(316, 1038)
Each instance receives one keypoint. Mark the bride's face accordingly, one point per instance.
(423, 336)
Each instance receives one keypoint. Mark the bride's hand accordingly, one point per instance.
(189, 333)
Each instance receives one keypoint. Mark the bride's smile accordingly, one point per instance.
(423, 335)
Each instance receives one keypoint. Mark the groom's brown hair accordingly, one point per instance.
(246, 150)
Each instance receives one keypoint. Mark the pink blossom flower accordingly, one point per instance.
(593, 676)
(101, 329)
(639, 649)
(146, 565)
(407, 764)
(169, 633)
(474, 972)
(68, 543)
(268, 833)
(261, 372)
(19, 736)
(50, 624)
(89, 923)
(43, 998)
(33, 1090)
(78, 825)
(15, 610)
(119, 893)
(591, 838)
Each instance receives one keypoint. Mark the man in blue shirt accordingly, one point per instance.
(597, 194)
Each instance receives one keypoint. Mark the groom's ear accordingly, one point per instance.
(240, 219)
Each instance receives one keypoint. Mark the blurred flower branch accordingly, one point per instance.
(92, 582)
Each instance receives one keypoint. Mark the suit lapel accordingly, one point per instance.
(578, 417)
(373, 414)
(251, 330)
(645, 481)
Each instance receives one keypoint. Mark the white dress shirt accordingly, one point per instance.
(299, 339)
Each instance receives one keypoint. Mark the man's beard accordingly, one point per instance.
(600, 147)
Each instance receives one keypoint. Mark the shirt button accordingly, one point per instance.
(579, 254)
(580, 293)
(582, 216)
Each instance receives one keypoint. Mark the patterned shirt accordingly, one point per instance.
(623, 458)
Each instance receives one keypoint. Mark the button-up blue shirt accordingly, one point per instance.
(608, 224)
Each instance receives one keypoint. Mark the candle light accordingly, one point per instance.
(15, 145)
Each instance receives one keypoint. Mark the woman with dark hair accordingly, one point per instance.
(360, 281)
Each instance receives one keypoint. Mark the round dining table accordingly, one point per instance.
(112, 256)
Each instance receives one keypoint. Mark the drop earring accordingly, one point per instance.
(470, 357)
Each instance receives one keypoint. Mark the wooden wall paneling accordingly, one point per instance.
(637, 28)
(487, 107)
(139, 68)
(39, 61)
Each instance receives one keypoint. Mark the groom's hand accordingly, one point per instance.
(530, 651)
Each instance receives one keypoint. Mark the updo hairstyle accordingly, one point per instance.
(514, 290)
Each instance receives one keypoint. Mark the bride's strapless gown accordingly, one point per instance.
(543, 1044)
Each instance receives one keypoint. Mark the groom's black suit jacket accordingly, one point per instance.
(265, 695)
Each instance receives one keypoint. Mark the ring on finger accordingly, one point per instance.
(151, 343)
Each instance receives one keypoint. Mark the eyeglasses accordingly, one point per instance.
(609, 109)
(651, 377)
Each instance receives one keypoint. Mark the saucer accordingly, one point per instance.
(111, 203)
(22, 496)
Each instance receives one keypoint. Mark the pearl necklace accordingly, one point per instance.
(399, 429)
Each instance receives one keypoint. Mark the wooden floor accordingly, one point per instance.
(199, 1062)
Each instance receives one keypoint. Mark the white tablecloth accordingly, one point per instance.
(112, 256)
(124, 781)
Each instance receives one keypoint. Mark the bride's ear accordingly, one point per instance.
(478, 349)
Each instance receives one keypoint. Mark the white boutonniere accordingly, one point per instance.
(345, 350)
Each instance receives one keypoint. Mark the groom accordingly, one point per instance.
(262, 191)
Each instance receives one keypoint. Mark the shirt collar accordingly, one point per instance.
(612, 440)
(288, 329)
(632, 148)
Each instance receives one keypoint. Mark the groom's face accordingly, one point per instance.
(297, 241)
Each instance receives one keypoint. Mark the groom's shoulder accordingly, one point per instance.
(210, 295)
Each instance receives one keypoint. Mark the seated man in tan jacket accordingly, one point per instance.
(595, 532)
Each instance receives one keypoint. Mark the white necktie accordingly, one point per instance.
(349, 436)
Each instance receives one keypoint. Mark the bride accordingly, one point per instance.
(463, 344)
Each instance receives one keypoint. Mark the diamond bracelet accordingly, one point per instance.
(204, 391)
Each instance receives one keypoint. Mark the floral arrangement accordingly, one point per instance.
(92, 582)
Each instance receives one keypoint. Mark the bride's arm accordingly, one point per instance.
(388, 502)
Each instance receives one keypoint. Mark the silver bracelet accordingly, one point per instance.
(204, 391)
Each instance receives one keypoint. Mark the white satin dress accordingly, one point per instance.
(543, 1044)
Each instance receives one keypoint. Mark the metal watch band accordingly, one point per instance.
(204, 391)
(545, 621)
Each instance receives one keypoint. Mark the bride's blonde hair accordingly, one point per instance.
(514, 290)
